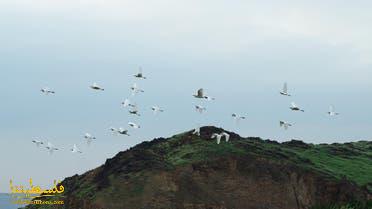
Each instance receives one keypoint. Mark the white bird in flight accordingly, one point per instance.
(89, 138)
(133, 125)
(127, 103)
(51, 148)
(47, 91)
(75, 149)
(237, 117)
(95, 86)
(200, 94)
(284, 124)
(294, 107)
(331, 111)
(219, 136)
(139, 74)
(156, 109)
(37, 142)
(114, 130)
(135, 89)
(285, 90)
(123, 131)
(200, 108)
(134, 110)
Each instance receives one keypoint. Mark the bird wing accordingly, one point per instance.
(285, 90)
(200, 92)
(331, 108)
(140, 71)
(218, 139)
(126, 102)
(227, 136)
(293, 104)
(281, 123)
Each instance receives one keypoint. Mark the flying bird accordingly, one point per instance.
(75, 149)
(51, 148)
(237, 117)
(133, 125)
(47, 91)
(114, 130)
(284, 124)
(135, 89)
(294, 107)
(139, 74)
(37, 142)
(331, 111)
(123, 131)
(285, 90)
(127, 103)
(89, 138)
(134, 110)
(200, 94)
(95, 86)
(200, 108)
(156, 109)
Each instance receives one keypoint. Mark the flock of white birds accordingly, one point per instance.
(133, 110)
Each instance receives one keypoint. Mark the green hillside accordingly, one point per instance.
(132, 176)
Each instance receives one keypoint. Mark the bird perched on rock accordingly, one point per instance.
(219, 136)
(196, 131)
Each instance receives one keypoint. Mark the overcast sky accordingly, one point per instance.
(240, 52)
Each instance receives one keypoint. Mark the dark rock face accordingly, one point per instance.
(141, 178)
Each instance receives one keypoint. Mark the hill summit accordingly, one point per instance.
(187, 171)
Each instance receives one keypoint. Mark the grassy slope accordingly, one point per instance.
(351, 160)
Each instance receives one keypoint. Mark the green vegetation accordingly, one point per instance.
(352, 205)
(351, 161)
